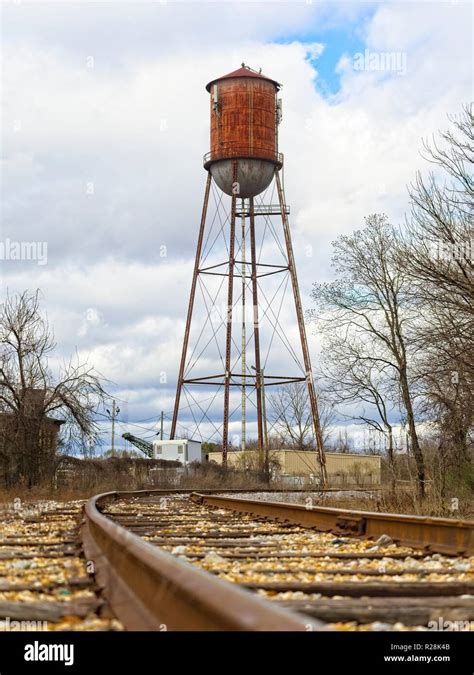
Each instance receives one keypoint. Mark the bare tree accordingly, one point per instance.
(32, 399)
(449, 403)
(437, 251)
(359, 385)
(291, 416)
(437, 255)
(368, 304)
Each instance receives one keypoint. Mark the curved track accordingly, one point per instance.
(165, 559)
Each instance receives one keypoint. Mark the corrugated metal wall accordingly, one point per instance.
(348, 469)
(343, 469)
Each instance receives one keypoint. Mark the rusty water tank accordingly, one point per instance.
(244, 127)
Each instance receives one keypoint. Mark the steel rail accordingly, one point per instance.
(150, 589)
(440, 535)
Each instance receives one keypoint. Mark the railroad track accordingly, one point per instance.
(177, 561)
(44, 584)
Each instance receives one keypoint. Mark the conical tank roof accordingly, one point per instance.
(243, 71)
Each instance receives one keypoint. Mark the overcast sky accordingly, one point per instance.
(106, 119)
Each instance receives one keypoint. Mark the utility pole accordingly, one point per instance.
(113, 414)
(161, 425)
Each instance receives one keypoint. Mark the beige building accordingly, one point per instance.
(301, 467)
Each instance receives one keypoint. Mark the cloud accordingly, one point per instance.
(106, 122)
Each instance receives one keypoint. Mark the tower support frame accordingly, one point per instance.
(243, 379)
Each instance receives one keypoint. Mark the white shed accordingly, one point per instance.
(184, 450)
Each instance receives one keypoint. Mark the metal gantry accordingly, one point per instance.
(144, 446)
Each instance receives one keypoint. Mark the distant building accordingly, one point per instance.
(48, 434)
(184, 450)
(15, 431)
(301, 467)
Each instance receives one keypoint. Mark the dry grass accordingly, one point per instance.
(83, 479)
(401, 502)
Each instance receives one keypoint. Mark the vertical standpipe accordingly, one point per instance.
(244, 332)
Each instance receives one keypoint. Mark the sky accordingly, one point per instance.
(105, 121)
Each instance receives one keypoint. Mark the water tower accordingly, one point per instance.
(243, 168)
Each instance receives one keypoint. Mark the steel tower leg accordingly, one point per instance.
(244, 331)
(304, 342)
(182, 366)
(256, 332)
(230, 301)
